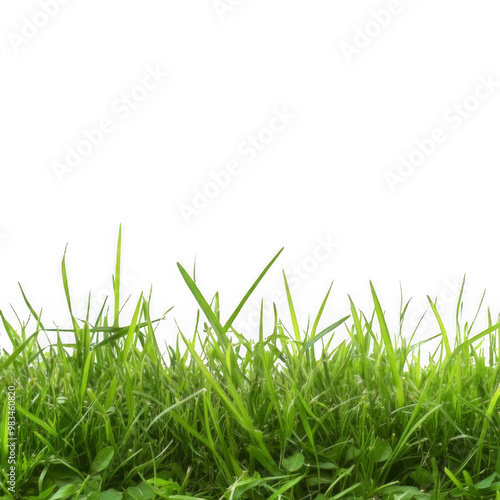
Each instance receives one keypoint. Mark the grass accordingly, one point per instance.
(287, 416)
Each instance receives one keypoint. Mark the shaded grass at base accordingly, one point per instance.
(287, 416)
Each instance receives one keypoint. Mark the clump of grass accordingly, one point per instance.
(288, 416)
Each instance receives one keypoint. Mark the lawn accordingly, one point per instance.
(289, 415)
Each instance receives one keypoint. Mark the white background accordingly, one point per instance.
(359, 103)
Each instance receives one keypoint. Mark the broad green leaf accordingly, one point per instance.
(382, 451)
(486, 483)
(142, 491)
(327, 465)
(66, 491)
(352, 453)
(102, 459)
(293, 462)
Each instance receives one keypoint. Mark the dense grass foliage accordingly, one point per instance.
(287, 416)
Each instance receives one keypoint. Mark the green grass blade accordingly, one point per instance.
(116, 279)
(204, 305)
(321, 334)
(131, 330)
(18, 350)
(291, 308)
(320, 312)
(235, 313)
(66, 292)
(444, 333)
(386, 337)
